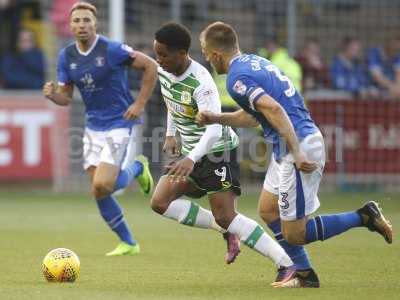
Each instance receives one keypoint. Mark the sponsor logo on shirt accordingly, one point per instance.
(186, 111)
(240, 88)
(175, 107)
(88, 82)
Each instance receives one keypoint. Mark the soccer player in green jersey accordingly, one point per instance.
(204, 166)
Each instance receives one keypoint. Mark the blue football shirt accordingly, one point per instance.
(376, 59)
(250, 77)
(101, 75)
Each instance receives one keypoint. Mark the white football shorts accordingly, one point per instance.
(114, 147)
(297, 191)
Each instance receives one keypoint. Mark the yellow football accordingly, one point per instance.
(61, 265)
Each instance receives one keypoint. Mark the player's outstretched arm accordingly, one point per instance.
(60, 95)
(278, 118)
(239, 118)
(148, 66)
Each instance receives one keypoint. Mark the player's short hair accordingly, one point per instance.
(174, 36)
(221, 36)
(83, 5)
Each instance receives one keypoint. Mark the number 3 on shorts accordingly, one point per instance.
(284, 203)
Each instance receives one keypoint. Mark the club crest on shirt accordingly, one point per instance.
(240, 88)
(73, 66)
(99, 61)
(186, 97)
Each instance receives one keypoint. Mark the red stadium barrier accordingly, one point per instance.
(362, 137)
(32, 138)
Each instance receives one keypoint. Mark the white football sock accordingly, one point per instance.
(256, 238)
(191, 214)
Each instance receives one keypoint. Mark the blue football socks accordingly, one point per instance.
(126, 175)
(298, 254)
(326, 226)
(112, 214)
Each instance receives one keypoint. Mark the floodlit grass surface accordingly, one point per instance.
(178, 262)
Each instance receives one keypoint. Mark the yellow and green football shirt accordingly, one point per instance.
(185, 96)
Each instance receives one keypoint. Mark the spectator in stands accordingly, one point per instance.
(10, 17)
(384, 67)
(280, 57)
(348, 69)
(315, 70)
(25, 68)
(9, 23)
(59, 15)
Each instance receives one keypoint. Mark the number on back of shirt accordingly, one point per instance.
(291, 90)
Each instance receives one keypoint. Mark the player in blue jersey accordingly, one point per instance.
(98, 68)
(289, 194)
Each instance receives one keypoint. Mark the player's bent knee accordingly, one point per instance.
(268, 209)
(294, 232)
(268, 216)
(223, 222)
(295, 238)
(223, 219)
(101, 189)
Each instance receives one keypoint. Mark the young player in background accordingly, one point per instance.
(98, 68)
(289, 195)
(205, 167)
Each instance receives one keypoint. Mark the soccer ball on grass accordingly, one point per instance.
(61, 265)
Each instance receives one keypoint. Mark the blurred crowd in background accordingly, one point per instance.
(372, 72)
(343, 55)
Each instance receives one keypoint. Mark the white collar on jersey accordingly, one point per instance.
(90, 49)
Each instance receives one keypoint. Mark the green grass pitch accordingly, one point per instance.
(178, 262)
